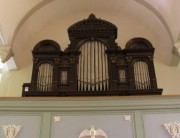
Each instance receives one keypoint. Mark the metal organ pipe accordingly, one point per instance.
(141, 74)
(45, 76)
(93, 67)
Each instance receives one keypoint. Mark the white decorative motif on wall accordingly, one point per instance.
(127, 118)
(57, 119)
(10, 131)
(92, 133)
(173, 128)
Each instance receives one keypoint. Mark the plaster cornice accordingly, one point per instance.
(76, 104)
(5, 52)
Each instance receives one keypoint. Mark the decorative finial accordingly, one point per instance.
(92, 16)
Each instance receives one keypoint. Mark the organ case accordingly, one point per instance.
(93, 64)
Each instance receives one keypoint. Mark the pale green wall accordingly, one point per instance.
(148, 114)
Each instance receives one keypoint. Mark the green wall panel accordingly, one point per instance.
(30, 125)
(36, 114)
(113, 125)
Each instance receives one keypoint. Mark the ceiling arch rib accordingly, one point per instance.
(24, 19)
(157, 13)
(45, 2)
(57, 6)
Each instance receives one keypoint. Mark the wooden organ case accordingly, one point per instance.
(93, 64)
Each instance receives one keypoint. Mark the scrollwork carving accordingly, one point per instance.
(113, 59)
(121, 62)
(57, 60)
(129, 59)
(73, 60)
(35, 60)
(151, 58)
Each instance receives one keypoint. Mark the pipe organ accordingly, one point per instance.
(93, 64)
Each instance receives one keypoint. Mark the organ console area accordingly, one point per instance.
(93, 64)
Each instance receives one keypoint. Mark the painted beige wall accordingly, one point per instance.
(11, 82)
(12, 12)
(168, 78)
(128, 27)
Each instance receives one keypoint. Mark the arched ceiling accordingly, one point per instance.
(21, 20)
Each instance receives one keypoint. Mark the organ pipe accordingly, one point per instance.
(45, 76)
(141, 74)
(92, 67)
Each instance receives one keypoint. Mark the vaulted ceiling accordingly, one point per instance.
(23, 20)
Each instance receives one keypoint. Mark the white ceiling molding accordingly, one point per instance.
(4, 52)
(176, 52)
(1, 68)
(7, 56)
(2, 39)
(177, 47)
